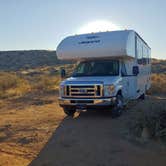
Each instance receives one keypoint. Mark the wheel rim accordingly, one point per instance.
(119, 103)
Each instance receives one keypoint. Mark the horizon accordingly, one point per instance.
(55, 51)
(39, 25)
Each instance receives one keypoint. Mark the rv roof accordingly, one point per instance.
(110, 44)
(117, 31)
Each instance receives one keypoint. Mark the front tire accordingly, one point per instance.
(142, 97)
(69, 112)
(118, 107)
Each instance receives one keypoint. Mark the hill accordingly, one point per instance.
(15, 60)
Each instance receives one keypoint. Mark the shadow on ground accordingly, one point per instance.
(94, 139)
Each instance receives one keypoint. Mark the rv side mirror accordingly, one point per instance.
(63, 73)
(135, 70)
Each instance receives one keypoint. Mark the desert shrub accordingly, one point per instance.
(158, 66)
(22, 88)
(12, 85)
(150, 114)
(158, 84)
(45, 82)
(8, 80)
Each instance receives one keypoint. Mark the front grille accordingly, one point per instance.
(84, 91)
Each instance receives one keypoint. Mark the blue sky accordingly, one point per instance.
(41, 24)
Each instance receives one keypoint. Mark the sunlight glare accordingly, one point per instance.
(98, 26)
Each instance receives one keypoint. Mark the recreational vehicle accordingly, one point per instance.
(113, 68)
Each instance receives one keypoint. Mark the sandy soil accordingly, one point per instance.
(26, 124)
(35, 132)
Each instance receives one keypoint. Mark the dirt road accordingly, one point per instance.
(38, 126)
(94, 139)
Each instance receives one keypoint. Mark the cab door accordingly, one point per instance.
(125, 83)
(129, 84)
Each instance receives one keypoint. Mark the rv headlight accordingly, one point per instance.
(109, 90)
(62, 90)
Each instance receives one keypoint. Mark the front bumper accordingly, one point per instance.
(87, 103)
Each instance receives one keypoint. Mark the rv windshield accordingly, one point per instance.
(97, 68)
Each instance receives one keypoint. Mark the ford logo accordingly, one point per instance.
(83, 91)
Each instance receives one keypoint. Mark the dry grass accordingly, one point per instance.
(158, 84)
(149, 115)
(45, 83)
(158, 66)
(17, 84)
(12, 85)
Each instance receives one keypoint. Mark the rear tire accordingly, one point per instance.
(69, 112)
(118, 107)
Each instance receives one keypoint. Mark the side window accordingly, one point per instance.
(148, 53)
(149, 56)
(123, 70)
(139, 51)
(142, 52)
(144, 58)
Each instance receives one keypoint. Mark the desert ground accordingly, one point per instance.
(34, 131)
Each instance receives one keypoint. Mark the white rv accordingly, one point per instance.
(114, 67)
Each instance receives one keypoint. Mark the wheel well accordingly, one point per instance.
(119, 92)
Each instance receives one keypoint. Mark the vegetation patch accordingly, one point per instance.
(14, 84)
(158, 84)
(148, 120)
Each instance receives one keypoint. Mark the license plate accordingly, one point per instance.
(81, 106)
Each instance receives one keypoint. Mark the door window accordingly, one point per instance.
(123, 70)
